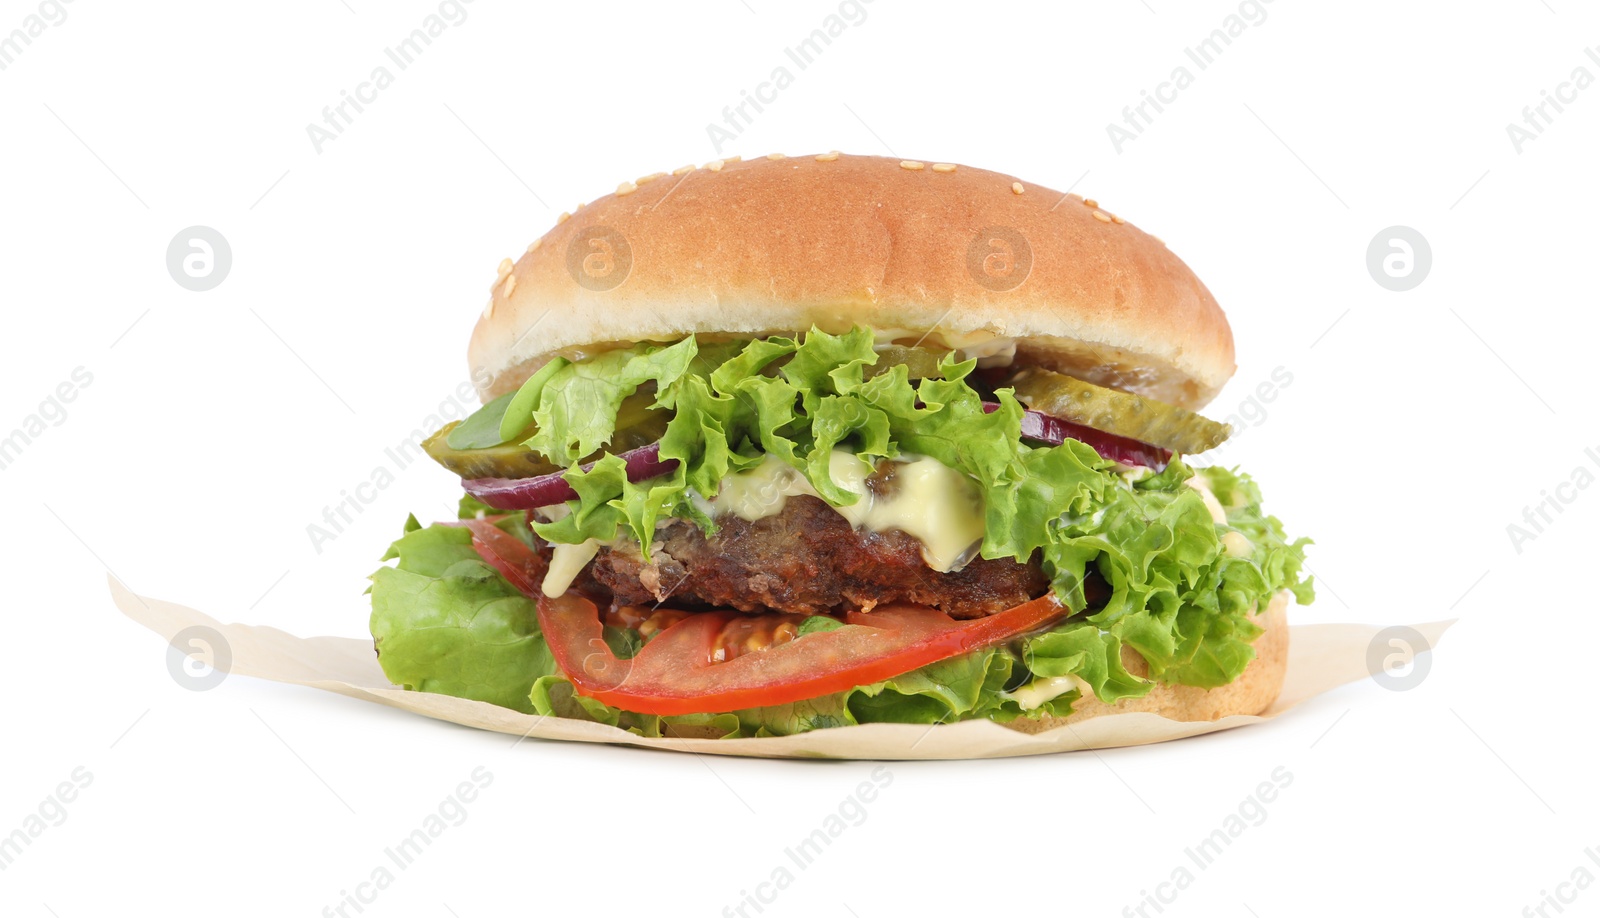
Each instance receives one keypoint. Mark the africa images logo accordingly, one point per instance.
(999, 258)
(599, 258)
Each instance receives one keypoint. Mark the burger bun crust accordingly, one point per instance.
(951, 255)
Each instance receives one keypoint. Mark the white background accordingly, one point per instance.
(219, 425)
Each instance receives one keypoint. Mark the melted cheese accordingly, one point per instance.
(941, 507)
(760, 492)
(1214, 506)
(1039, 691)
(991, 350)
(565, 563)
(998, 352)
(1237, 545)
(933, 502)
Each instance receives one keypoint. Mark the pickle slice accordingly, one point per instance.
(637, 425)
(509, 460)
(635, 418)
(1120, 413)
(919, 362)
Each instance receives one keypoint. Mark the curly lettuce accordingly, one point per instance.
(444, 621)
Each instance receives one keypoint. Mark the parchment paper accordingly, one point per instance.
(1321, 657)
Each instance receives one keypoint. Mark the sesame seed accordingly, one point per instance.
(488, 308)
(504, 269)
(1158, 239)
(828, 157)
(913, 165)
(511, 284)
(564, 217)
(1117, 220)
(626, 188)
(732, 159)
(1016, 188)
(647, 179)
(1090, 202)
(776, 156)
(535, 244)
(683, 170)
(715, 165)
(944, 167)
(1101, 216)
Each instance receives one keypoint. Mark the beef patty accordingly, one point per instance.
(807, 559)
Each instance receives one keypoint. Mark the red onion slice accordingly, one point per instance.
(528, 493)
(1053, 430)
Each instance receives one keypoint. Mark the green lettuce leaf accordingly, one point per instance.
(446, 622)
(518, 412)
(574, 407)
(481, 429)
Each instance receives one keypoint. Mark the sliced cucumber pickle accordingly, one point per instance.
(920, 362)
(636, 421)
(509, 460)
(1121, 413)
(637, 425)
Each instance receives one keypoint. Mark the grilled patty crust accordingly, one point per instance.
(806, 559)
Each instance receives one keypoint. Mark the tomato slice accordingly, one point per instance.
(507, 554)
(675, 672)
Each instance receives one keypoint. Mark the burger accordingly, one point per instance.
(804, 442)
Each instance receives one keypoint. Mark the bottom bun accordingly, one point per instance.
(1253, 692)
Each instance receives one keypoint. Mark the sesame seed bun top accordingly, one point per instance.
(956, 255)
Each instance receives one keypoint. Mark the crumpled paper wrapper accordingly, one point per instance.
(1321, 657)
